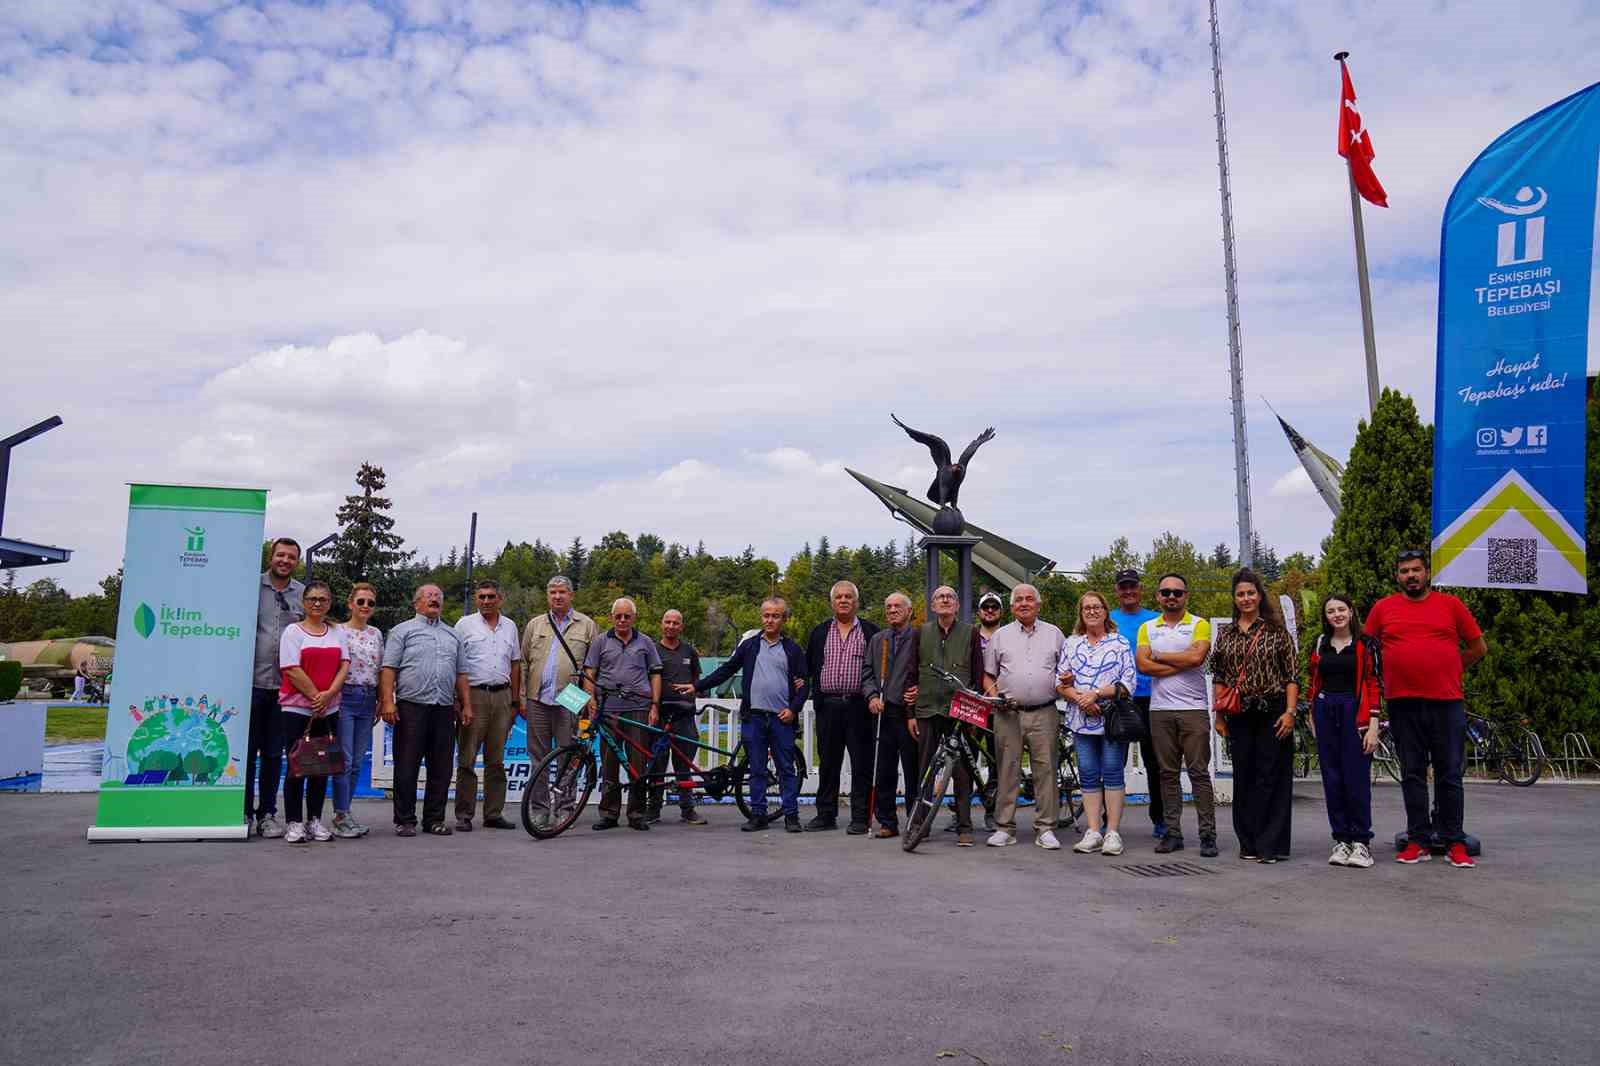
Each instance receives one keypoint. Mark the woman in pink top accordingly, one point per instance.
(314, 660)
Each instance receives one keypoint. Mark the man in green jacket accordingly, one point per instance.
(952, 646)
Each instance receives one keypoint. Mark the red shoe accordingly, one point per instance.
(1458, 857)
(1414, 853)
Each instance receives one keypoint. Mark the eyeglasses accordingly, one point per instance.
(315, 599)
(619, 614)
(366, 603)
(1172, 592)
(1092, 607)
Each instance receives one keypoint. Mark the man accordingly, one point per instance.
(554, 645)
(954, 647)
(624, 670)
(834, 654)
(1172, 648)
(774, 674)
(1020, 664)
(1428, 639)
(279, 606)
(889, 685)
(680, 665)
(422, 692)
(494, 682)
(1128, 617)
(991, 612)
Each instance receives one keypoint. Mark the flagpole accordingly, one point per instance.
(1361, 277)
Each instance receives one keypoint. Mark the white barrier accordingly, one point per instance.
(22, 744)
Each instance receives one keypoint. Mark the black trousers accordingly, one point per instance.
(844, 724)
(897, 751)
(1263, 782)
(265, 754)
(1152, 768)
(933, 731)
(684, 723)
(428, 732)
(1431, 732)
(303, 797)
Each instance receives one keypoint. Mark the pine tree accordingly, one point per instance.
(367, 544)
(575, 559)
(1222, 556)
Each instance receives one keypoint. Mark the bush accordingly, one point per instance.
(10, 679)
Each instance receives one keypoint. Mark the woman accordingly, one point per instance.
(1257, 654)
(1094, 661)
(314, 661)
(1346, 693)
(357, 703)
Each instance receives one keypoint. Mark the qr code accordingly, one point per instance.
(1513, 560)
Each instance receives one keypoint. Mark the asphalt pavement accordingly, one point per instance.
(708, 945)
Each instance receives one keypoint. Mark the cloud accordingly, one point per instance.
(1294, 482)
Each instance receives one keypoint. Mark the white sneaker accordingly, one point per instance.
(1090, 843)
(1113, 844)
(1001, 839)
(318, 831)
(1360, 857)
(1047, 840)
(270, 828)
(296, 833)
(1341, 855)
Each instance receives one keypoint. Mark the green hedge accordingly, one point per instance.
(10, 679)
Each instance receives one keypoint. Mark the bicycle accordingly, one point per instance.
(1510, 751)
(1069, 787)
(570, 771)
(971, 711)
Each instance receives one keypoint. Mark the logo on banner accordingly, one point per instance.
(1502, 440)
(194, 547)
(1532, 236)
(144, 620)
(1519, 243)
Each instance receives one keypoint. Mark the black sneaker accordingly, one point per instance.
(652, 817)
(756, 824)
(1208, 847)
(605, 823)
(498, 823)
(791, 823)
(857, 829)
(638, 823)
(1168, 844)
(692, 817)
(463, 825)
(821, 824)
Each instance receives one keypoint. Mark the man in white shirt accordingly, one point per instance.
(1019, 663)
(494, 680)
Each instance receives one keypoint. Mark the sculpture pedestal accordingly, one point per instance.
(934, 548)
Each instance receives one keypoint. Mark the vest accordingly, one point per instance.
(952, 653)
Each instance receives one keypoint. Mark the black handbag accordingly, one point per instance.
(1123, 722)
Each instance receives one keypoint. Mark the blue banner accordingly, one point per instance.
(1515, 257)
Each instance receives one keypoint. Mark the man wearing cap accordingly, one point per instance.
(1131, 613)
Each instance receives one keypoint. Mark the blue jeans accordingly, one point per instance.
(761, 731)
(1346, 768)
(357, 705)
(1100, 761)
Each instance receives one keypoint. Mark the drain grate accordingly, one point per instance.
(1164, 869)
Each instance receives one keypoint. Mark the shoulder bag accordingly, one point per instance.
(315, 756)
(577, 667)
(1230, 701)
(1123, 723)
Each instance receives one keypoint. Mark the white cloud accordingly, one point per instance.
(1294, 482)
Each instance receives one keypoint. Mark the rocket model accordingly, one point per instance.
(1325, 471)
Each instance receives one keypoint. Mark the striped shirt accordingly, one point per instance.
(842, 658)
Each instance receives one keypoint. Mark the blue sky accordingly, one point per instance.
(669, 266)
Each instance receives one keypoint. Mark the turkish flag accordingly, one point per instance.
(1356, 146)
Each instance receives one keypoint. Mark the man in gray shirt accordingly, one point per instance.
(624, 667)
(278, 607)
(422, 690)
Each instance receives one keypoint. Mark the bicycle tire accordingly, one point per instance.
(1519, 756)
(1384, 757)
(1069, 788)
(741, 795)
(570, 772)
(919, 819)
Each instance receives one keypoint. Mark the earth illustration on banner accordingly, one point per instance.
(182, 741)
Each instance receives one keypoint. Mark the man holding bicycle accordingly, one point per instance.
(554, 645)
(624, 668)
(945, 646)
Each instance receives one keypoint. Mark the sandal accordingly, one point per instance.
(405, 830)
(439, 829)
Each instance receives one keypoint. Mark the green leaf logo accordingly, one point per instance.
(144, 620)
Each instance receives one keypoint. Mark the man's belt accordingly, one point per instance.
(842, 697)
(1038, 706)
(491, 688)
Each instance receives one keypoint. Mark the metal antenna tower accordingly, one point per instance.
(1241, 445)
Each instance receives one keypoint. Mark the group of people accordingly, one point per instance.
(879, 696)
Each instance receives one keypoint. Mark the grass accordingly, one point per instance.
(62, 724)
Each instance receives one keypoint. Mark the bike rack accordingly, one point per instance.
(1575, 755)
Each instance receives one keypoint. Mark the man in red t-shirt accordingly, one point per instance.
(1428, 639)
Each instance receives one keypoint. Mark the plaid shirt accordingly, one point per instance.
(841, 660)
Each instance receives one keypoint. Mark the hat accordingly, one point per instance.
(1127, 577)
(988, 596)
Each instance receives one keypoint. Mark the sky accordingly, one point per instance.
(669, 267)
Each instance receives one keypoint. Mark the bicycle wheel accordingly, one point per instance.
(569, 774)
(1518, 756)
(919, 819)
(1069, 789)
(739, 764)
(1385, 759)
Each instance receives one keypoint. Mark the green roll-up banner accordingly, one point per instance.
(179, 716)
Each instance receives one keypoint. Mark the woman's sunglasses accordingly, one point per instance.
(366, 603)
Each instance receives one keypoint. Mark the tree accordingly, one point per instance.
(573, 562)
(1222, 556)
(368, 544)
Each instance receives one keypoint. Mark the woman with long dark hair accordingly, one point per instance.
(1257, 654)
(1346, 694)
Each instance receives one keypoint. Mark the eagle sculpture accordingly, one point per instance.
(947, 482)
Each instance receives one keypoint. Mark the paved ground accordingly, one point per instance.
(710, 945)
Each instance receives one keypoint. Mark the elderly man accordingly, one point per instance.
(680, 665)
(945, 644)
(624, 669)
(834, 656)
(554, 645)
(422, 691)
(889, 685)
(773, 671)
(278, 606)
(1020, 664)
(494, 680)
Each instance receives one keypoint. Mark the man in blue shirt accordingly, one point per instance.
(1129, 616)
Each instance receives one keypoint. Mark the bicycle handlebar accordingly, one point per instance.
(961, 686)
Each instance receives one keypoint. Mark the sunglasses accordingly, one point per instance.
(283, 604)
(988, 606)
(1408, 555)
(366, 603)
(1172, 592)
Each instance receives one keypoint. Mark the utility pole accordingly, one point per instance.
(472, 547)
(1241, 446)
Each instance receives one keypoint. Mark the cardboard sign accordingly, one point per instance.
(970, 709)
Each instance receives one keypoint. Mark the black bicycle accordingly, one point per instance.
(958, 749)
(1508, 750)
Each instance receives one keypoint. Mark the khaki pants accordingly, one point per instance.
(1037, 730)
(550, 725)
(1183, 738)
(491, 724)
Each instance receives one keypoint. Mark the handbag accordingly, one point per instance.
(315, 756)
(1123, 723)
(1230, 700)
